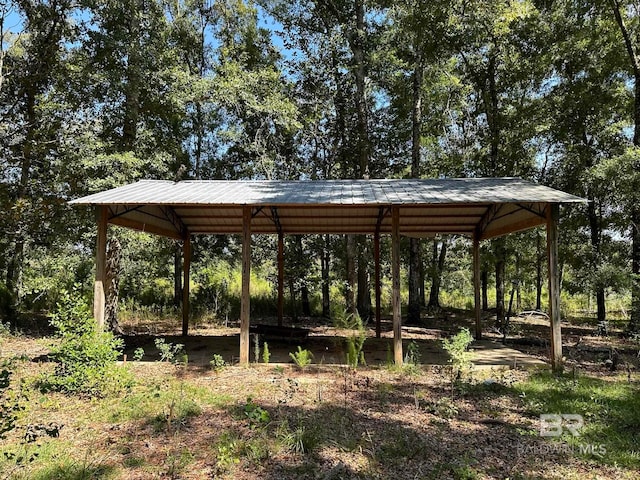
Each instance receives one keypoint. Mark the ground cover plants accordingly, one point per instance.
(218, 420)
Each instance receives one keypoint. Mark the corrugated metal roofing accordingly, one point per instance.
(487, 206)
(329, 192)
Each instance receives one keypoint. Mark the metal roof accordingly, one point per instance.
(487, 206)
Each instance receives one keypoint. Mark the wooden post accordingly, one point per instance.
(476, 286)
(246, 274)
(186, 266)
(99, 288)
(376, 255)
(553, 214)
(395, 274)
(280, 278)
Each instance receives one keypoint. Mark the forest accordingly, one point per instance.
(96, 94)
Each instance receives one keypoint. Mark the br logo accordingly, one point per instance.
(552, 425)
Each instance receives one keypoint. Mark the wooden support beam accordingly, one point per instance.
(395, 296)
(246, 274)
(186, 266)
(280, 279)
(553, 214)
(376, 256)
(476, 286)
(99, 287)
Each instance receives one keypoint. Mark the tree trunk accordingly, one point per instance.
(177, 274)
(304, 289)
(132, 86)
(634, 321)
(422, 286)
(325, 259)
(500, 254)
(634, 214)
(484, 281)
(113, 270)
(540, 256)
(413, 310)
(438, 267)
(350, 287)
(14, 267)
(357, 42)
(364, 292)
(518, 282)
(595, 236)
(292, 294)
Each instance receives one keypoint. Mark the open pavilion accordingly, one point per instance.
(479, 208)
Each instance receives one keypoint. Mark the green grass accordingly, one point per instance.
(610, 409)
(150, 401)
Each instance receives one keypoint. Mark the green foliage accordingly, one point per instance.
(170, 352)
(85, 357)
(355, 341)
(11, 401)
(299, 439)
(610, 410)
(301, 358)
(217, 362)
(6, 302)
(266, 354)
(256, 415)
(459, 355)
(138, 354)
(412, 357)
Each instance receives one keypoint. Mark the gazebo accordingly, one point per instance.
(479, 208)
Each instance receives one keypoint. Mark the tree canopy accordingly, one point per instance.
(97, 93)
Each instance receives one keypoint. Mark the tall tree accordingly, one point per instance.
(31, 130)
(627, 16)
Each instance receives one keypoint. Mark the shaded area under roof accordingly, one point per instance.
(488, 207)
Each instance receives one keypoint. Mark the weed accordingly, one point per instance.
(412, 357)
(297, 440)
(301, 358)
(170, 352)
(227, 452)
(255, 413)
(217, 363)
(354, 342)
(178, 410)
(256, 347)
(138, 354)
(11, 401)
(459, 356)
(442, 408)
(178, 463)
(266, 354)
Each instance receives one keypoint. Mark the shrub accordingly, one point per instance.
(170, 352)
(266, 354)
(459, 356)
(412, 356)
(85, 356)
(217, 363)
(354, 342)
(138, 354)
(301, 358)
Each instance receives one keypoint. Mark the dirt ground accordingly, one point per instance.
(326, 422)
